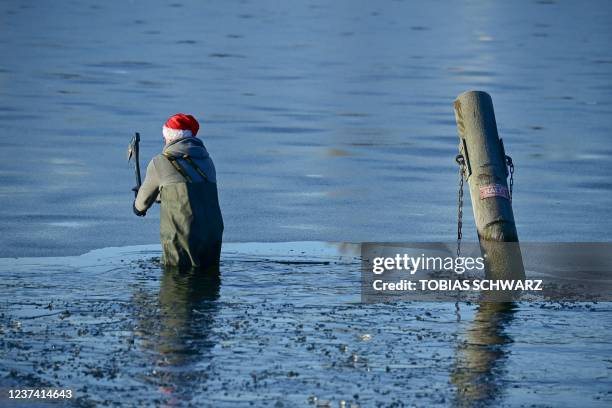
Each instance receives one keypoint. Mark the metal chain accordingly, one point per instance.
(510, 165)
(462, 165)
(461, 162)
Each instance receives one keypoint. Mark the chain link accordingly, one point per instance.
(461, 162)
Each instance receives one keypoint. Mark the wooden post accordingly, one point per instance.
(486, 172)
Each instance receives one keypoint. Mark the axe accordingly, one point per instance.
(133, 152)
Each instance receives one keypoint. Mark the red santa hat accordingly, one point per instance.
(179, 126)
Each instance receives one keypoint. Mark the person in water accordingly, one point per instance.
(183, 179)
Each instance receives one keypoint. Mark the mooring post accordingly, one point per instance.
(486, 173)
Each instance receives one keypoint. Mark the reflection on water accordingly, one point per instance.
(481, 356)
(175, 326)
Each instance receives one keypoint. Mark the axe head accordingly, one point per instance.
(133, 146)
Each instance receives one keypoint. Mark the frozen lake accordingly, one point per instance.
(326, 120)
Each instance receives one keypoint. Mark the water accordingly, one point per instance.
(284, 326)
(327, 121)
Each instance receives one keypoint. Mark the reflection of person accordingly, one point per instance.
(174, 326)
(183, 177)
(187, 306)
(480, 359)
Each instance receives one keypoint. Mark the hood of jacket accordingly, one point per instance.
(187, 145)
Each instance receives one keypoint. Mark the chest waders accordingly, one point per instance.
(191, 225)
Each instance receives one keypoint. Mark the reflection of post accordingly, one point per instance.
(486, 173)
(479, 359)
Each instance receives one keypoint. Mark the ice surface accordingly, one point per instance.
(283, 325)
(357, 93)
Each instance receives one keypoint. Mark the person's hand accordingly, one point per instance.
(136, 211)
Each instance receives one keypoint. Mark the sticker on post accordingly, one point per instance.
(494, 190)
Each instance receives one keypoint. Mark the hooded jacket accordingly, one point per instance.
(161, 172)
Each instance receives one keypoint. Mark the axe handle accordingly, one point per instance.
(137, 161)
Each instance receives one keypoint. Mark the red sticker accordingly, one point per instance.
(494, 190)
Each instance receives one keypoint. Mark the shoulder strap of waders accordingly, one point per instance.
(197, 168)
(177, 166)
